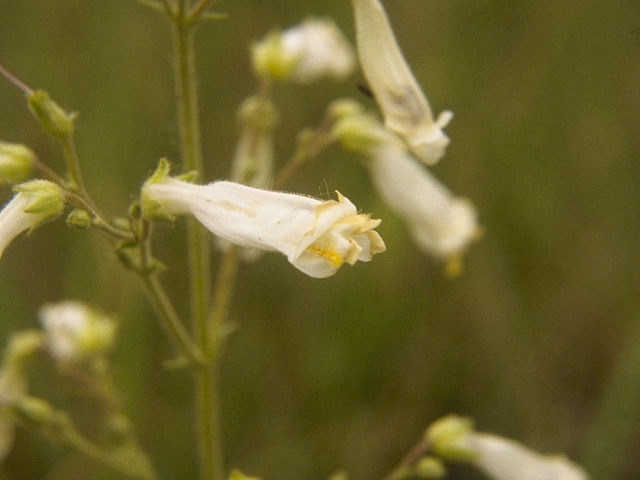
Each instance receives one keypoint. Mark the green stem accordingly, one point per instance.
(169, 319)
(419, 450)
(225, 285)
(79, 442)
(609, 438)
(307, 149)
(198, 9)
(73, 165)
(207, 422)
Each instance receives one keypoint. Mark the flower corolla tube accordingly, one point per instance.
(404, 105)
(317, 237)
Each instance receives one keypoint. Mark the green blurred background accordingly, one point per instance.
(538, 339)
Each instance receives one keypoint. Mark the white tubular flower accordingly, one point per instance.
(16, 162)
(36, 202)
(404, 105)
(453, 438)
(440, 223)
(304, 53)
(74, 331)
(317, 237)
(504, 459)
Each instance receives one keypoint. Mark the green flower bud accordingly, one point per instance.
(51, 116)
(79, 218)
(345, 107)
(258, 113)
(446, 435)
(360, 133)
(16, 162)
(430, 468)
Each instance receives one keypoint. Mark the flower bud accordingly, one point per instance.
(79, 218)
(51, 116)
(16, 162)
(316, 48)
(429, 468)
(445, 436)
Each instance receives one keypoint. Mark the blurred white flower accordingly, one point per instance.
(75, 331)
(504, 459)
(304, 53)
(441, 224)
(35, 202)
(404, 105)
(317, 237)
(453, 438)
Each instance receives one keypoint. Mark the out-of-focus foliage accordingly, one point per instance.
(347, 372)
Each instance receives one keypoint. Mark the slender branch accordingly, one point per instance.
(170, 319)
(73, 165)
(306, 150)
(60, 427)
(100, 222)
(13, 79)
(224, 287)
(613, 427)
(197, 9)
(419, 450)
(48, 172)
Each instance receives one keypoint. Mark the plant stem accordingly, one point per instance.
(169, 318)
(73, 165)
(225, 285)
(206, 378)
(419, 450)
(609, 437)
(306, 150)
